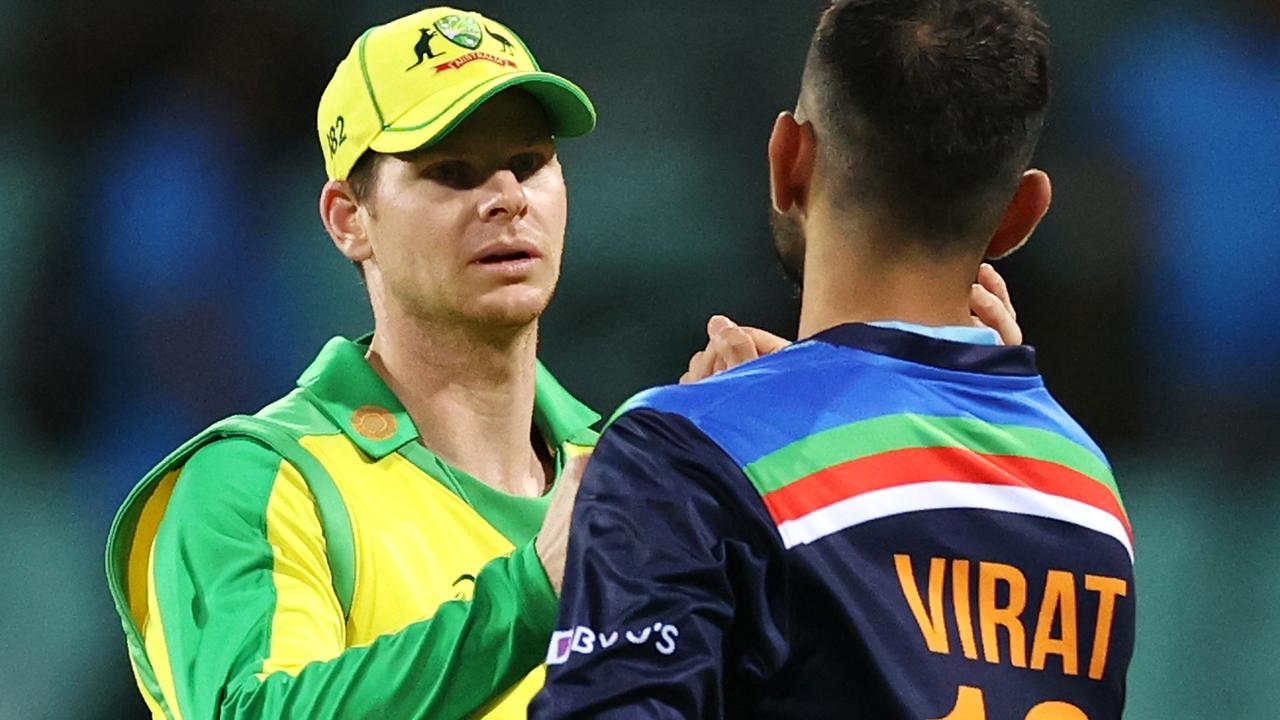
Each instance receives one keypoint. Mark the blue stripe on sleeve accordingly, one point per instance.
(792, 390)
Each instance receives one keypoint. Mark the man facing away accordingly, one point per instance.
(384, 541)
(891, 518)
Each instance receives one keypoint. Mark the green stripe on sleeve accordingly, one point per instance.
(908, 430)
(215, 586)
(331, 508)
(213, 569)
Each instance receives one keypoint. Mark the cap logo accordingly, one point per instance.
(423, 48)
(507, 47)
(461, 30)
(373, 422)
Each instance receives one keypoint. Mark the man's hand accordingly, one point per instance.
(552, 542)
(730, 344)
(991, 307)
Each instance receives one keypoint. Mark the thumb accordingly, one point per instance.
(574, 467)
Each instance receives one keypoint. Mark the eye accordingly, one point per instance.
(524, 165)
(452, 173)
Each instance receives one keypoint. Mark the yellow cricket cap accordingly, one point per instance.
(407, 83)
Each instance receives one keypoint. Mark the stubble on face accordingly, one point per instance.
(788, 245)
(437, 210)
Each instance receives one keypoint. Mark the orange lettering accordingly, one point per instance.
(1108, 589)
(960, 597)
(990, 616)
(1059, 601)
(933, 624)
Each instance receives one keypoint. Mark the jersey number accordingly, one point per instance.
(970, 705)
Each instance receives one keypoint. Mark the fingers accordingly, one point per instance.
(765, 341)
(701, 365)
(566, 487)
(573, 469)
(991, 312)
(720, 364)
(729, 345)
(717, 323)
(553, 537)
(994, 282)
(724, 348)
(1004, 322)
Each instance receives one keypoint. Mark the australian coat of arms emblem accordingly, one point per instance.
(461, 30)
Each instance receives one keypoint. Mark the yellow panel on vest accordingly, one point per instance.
(158, 647)
(417, 545)
(140, 551)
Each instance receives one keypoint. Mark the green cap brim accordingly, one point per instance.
(568, 109)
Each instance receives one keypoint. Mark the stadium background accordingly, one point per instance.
(164, 265)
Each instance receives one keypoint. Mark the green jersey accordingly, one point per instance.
(316, 560)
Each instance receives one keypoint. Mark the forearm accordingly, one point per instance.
(657, 549)
(447, 666)
(243, 620)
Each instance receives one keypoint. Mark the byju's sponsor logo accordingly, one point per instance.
(585, 641)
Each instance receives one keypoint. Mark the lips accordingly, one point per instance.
(506, 251)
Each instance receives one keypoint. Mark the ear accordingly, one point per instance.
(792, 150)
(344, 221)
(1029, 204)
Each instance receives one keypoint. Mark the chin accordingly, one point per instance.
(512, 306)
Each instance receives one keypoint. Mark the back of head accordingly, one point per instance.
(927, 111)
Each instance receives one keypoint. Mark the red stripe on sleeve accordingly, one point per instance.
(915, 465)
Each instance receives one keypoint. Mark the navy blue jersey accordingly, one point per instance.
(868, 524)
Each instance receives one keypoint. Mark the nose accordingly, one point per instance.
(504, 197)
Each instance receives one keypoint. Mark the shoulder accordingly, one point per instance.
(239, 459)
(226, 499)
(726, 392)
(215, 488)
(742, 409)
(686, 475)
(297, 414)
(224, 480)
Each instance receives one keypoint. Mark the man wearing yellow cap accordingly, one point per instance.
(366, 545)
(386, 539)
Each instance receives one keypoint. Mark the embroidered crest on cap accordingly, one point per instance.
(461, 30)
(373, 422)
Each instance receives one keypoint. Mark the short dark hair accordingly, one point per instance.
(363, 175)
(932, 107)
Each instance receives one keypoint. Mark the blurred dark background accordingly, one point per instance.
(165, 266)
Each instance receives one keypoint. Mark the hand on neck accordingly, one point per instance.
(469, 392)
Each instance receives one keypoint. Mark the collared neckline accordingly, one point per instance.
(954, 333)
(352, 394)
(905, 344)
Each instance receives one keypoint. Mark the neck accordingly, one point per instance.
(846, 282)
(469, 392)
